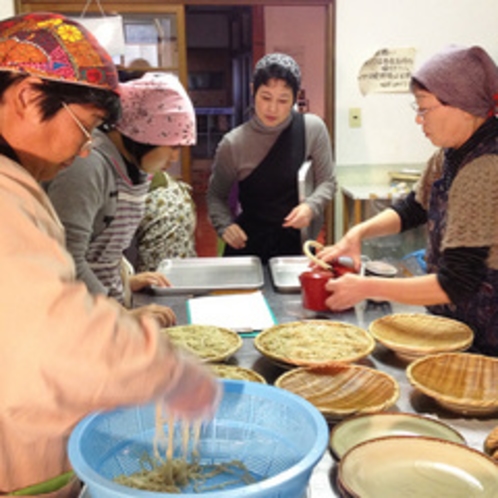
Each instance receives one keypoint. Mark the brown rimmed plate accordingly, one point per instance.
(416, 467)
(360, 428)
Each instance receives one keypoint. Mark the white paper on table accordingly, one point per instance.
(243, 312)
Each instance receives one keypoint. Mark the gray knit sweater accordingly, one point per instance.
(242, 149)
(85, 198)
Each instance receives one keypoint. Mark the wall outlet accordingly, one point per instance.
(354, 117)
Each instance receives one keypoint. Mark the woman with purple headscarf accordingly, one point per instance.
(457, 198)
(101, 198)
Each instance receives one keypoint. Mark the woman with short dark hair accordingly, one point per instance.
(262, 158)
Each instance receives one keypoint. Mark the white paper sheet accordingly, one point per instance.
(245, 312)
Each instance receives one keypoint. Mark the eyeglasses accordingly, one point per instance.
(423, 112)
(87, 146)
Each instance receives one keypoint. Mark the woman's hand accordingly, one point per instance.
(162, 314)
(145, 279)
(234, 236)
(299, 217)
(345, 292)
(197, 393)
(349, 245)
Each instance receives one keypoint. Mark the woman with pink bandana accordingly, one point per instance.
(100, 199)
(64, 352)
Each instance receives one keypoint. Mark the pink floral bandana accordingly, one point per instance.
(157, 111)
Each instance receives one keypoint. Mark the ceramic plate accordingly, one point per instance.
(361, 428)
(417, 467)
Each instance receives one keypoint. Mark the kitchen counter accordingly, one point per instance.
(286, 308)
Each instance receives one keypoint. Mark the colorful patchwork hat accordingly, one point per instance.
(54, 47)
(157, 111)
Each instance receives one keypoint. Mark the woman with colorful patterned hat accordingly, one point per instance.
(64, 352)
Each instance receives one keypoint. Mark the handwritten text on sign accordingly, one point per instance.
(388, 71)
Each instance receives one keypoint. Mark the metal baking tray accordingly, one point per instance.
(285, 272)
(201, 275)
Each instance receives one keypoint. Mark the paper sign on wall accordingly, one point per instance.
(388, 71)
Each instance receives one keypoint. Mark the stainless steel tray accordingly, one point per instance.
(201, 275)
(285, 272)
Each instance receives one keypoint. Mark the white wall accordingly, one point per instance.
(388, 134)
(6, 8)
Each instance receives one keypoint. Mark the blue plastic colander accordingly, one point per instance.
(278, 435)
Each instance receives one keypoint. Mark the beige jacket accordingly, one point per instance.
(63, 353)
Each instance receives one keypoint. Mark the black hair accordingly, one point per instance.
(53, 93)
(415, 84)
(137, 149)
(275, 71)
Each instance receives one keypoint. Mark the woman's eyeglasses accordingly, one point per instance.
(87, 146)
(422, 112)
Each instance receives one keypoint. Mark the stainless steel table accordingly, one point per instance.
(287, 307)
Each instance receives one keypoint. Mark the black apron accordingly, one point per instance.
(268, 195)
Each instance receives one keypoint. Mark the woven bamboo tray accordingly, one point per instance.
(235, 372)
(342, 390)
(208, 342)
(314, 343)
(412, 335)
(461, 382)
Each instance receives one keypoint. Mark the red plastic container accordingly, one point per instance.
(313, 289)
(313, 284)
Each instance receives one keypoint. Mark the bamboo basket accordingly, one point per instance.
(342, 390)
(461, 382)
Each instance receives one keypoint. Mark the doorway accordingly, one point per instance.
(219, 60)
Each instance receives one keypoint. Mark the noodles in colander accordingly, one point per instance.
(164, 473)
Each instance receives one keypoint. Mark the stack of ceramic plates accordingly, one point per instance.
(342, 390)
(412, 335)
(360, 428)
(461, 382)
